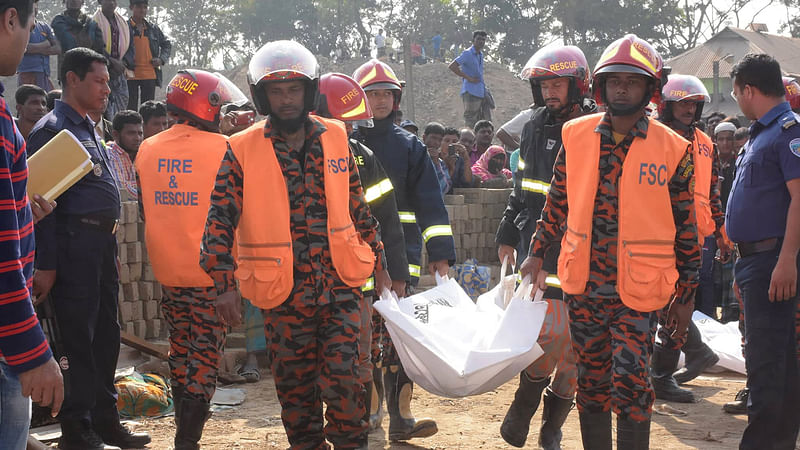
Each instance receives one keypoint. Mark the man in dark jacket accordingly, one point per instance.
(152, 50)
(73, 29)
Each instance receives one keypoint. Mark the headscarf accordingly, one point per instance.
(481, 166)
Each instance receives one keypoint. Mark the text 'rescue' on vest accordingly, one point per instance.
(646, 271)
(266, 263)
(703, 154)
(177, 169)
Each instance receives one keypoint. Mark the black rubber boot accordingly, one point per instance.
(112, 432)
(375, 399)
(699, 356)
(596, 430)
(739, 404)
(517, 422)
(662, 365)
(632, 435)
(177, 395)
(402, 424)
(78, 435)
(554, 413)
(194, 414)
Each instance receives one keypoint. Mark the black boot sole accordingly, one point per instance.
(422, 431)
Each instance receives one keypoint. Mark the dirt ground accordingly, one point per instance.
(470, 423)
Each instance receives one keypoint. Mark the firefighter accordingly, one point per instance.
(422, 213)
(682, 101)
(343, 99)
(620, 204)
(304, 250)
(559, 78)
(176, 170)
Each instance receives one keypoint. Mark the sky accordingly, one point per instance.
(773, 15)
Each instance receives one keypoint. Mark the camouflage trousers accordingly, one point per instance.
(196, 339)
(613, 344)
(314, 357)
(366, 343)
(554, 338)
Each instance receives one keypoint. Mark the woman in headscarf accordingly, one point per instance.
(490, 168)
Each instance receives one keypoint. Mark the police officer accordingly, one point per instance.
(620, 204)
(681, 106)
(176, 170)
(421, 208)
(763, 220)
(342, 98)
(77, 264)
(304, 251)
(559, 78)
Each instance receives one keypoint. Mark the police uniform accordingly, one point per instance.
(756, 222)
(77, 240)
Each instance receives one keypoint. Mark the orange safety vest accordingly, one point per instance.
(703, 153)
(646, 271)
(177, 169)
(266, 261)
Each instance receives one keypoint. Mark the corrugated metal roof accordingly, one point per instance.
(737, 42)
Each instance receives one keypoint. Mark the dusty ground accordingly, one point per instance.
(470, 423)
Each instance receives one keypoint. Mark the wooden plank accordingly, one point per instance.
(143, 346)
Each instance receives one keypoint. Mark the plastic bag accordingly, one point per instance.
(453, 347)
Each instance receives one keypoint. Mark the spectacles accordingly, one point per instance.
(733, 95)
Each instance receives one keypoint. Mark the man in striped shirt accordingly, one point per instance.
(27, 367)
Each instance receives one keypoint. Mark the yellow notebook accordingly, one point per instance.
(57, 166)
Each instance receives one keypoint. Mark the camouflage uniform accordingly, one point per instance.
(613, 342)
(196, 339)
(312, 338)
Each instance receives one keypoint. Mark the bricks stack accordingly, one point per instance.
(474, 215)
(139, 293)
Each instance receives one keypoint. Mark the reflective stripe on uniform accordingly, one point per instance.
(553, 281)
(369, 285)
(537, 186)
(407, 216)
(378, 190)
(413, 270)
(436, 230)
(520, 164)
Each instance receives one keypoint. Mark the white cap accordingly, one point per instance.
(724, 126)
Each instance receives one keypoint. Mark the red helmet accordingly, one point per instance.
(340, 97)
(198, 95)
(682, 87)
(792, 88)
(374, 74)
(554, 62)
(630, 54)
(282, 61)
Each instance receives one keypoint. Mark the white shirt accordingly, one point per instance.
(380, 41)
(514, 126)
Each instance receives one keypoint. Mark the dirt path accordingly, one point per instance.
(470, 423)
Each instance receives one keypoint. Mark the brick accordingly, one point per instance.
(131, 291)
(453, 199)
(122, 252)
(147, 273)
(131, 233)
(125, 311)
(145, 290)
(154, 327)
(131, 212)
(158, 294)
(475, 211)
(120, 234)
(120, 295)
(124, 273)
(136, 271)
(471, 195)
(140, 328)
(137, 310)
(151, 309)
(134, 252)
(127, 327)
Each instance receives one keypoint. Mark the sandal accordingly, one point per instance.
(251, 375)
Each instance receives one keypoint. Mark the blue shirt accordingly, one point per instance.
(36, 62)
(471, 63)
(93, 195)
(437, 41)
(759, 200)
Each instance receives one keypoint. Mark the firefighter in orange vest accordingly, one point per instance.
(176, 170)
(342, 98)
(682, 101)
(620, 204)
(289, 190)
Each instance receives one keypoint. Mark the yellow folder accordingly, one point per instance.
(57, 166)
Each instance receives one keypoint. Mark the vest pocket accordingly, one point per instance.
(265, 273)
(647, 274)
(573, 262)
(705, 222)
(352, 257)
